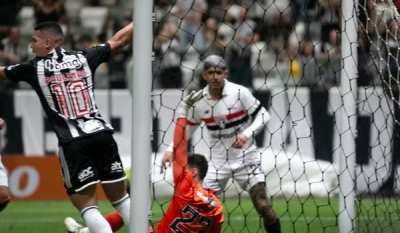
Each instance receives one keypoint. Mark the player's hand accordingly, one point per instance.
(168, 156)
(2, 123)
(188, 102)
(241, 140)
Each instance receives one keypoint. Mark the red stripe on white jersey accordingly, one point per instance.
(191, 123)
(228, 117)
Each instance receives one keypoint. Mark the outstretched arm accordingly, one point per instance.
(180, 137)
(180, 149)
(121, 38)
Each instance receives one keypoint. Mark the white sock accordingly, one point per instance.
(123, 206)
(95, 221)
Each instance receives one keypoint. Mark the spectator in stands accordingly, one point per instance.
(238, 52)
(161, 9)
(50, 10)
(331, 49)
(366, 67)
(215, 44)
(329, 16)
(8, 15)
(12, 46)
(117, 63)
(301, 14)
(11, 52)
(392, 58)
(255, 9)
(308, 64)
(188, 15)
(330, 59)
(167, 47)
(111, 25)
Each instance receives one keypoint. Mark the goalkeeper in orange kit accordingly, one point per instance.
(192, 209)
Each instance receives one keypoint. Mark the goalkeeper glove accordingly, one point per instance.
(188, 102)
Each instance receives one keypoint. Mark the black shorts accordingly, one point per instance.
(90, 160)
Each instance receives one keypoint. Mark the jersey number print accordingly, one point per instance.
(192, 217)
(72, 98)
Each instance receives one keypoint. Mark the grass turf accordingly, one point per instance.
(316, 215)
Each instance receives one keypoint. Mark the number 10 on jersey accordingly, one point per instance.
(72, 98)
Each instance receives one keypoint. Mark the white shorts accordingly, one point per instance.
(3, 175)
(246, 171)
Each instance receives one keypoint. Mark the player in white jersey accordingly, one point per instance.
(4, 191)
(232, 116)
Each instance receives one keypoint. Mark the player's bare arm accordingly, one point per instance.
(121, 38)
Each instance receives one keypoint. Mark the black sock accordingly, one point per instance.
(274, 227)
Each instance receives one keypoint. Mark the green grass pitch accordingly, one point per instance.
(316, 215)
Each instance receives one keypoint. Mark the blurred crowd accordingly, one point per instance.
(265, 42)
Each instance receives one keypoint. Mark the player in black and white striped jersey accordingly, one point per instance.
(63, 80)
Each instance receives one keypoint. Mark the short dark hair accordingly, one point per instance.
(200, 162)
(50, 27)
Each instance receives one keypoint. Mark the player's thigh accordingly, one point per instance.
(107, 160)
(217, 177)
(78, 170)
(250, 173)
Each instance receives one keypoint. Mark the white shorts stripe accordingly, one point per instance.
(87, 185)
(113, 181)
(65, 172)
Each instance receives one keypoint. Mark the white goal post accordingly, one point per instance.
(141, 114)
(348, 124)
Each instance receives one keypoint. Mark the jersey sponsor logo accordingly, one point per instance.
(52, 65)
(116, 167)
(85, 174)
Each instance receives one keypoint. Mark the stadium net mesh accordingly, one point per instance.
(288, 53)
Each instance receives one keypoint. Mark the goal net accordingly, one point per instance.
(289, 54)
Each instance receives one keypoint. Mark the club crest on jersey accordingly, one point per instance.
(221, 121)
